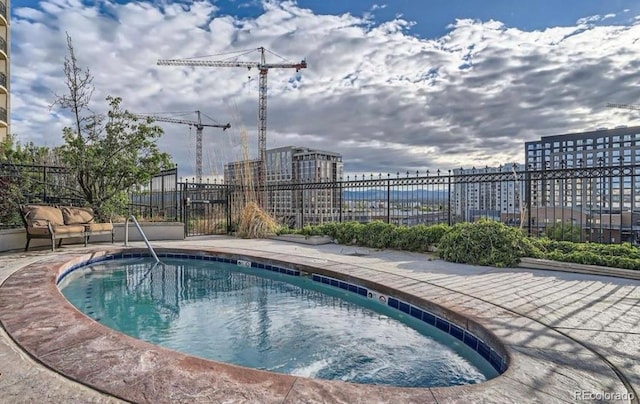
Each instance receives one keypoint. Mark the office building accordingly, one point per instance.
(243, 172)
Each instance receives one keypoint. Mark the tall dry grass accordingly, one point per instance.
(255, 222)
(251, 218)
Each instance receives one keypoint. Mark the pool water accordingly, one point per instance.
(265, 320)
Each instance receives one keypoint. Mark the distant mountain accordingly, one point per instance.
(381, 195)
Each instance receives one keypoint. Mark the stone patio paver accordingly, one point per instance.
(567, 331)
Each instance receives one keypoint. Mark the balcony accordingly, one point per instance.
(3, 116)
(3, 45)
(3, 82)
(3, 13)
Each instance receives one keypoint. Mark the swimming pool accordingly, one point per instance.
(243, 312)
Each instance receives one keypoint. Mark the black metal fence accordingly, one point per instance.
(55, 185)
(159, 200)
(25, 183)
(598, 204)
(205, 208)
(39, 183)
(401, 199)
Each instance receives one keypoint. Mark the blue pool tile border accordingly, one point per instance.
(497, 361)
(199, 257)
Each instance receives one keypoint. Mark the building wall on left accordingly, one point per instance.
(5, 51)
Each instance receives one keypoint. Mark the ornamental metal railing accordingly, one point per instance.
(597, 204)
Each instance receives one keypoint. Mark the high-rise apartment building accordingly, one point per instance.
(5, 50)
(489, 192)
(602, 148)
(607, 200)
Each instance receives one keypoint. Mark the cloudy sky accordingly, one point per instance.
(396, 86)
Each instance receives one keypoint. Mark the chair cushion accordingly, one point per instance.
(38, 215)
(97, 227)
(38, 231)
(76, 215)
(68, 229)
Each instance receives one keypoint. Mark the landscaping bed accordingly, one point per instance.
(302, 239)
(485, 242)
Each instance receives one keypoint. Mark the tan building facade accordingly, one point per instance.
(295, 165)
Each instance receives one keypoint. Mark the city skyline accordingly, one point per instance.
(390, 87)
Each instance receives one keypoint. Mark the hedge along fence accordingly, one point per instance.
(378, 235)
(623, 255)
(485, 242)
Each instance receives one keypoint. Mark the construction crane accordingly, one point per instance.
(624, 106)
(263, 68)
(198, 125)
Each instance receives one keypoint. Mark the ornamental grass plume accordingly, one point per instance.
(255, 222)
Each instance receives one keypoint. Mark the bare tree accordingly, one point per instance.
(80, 85)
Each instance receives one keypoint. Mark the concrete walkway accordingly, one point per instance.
(23, 380)
(569, 330)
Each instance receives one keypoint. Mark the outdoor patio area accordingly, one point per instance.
(569, 336)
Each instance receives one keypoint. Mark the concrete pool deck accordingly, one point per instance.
(569, 336)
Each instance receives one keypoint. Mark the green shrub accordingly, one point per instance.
(401, 239)
(345, 233)
(566, 247)
(309, 230)
(564, 232)
(611, 255)
(376, 234)
(418, 238)
(482, 243)
(284, 230)
(329, 229)
(621, 250)
(485, 242)
(435, 233)
(349, 233)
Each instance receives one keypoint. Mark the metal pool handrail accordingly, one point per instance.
(144, 237)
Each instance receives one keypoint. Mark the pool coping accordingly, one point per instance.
(436, 316)
(43, 323)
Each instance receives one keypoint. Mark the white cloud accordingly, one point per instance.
(586, 20)
(385, 99)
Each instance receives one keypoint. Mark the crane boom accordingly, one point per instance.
(185, 121)
(213, 63)
(624, 106)
(198, 125)
(263, 68)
